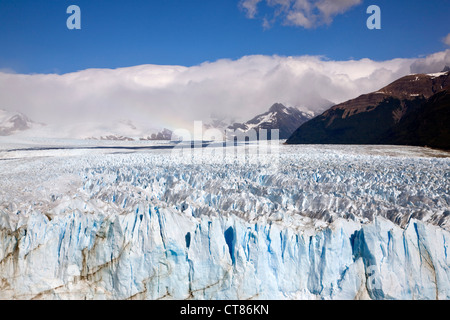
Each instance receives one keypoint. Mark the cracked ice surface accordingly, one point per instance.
(327, 222)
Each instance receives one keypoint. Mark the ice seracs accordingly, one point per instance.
(324, 223)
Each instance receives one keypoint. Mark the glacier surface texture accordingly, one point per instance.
(318, 222)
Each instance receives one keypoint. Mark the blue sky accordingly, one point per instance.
(34, 37)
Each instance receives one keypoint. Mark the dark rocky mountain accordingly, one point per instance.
(165, 134)
(285, 119)
(428, 125)
(378, 117)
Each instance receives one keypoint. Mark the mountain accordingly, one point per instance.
(112, 137)
(14, 122)
(372, 118)
(165, 134)
(123, 130)
(426, 126)
(287, 120)
(218, 122)
(20, 126)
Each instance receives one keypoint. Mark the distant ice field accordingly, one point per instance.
(304, 187)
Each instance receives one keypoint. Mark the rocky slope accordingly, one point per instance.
(369, 118)
(429, 125)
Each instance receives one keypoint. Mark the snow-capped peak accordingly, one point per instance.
(278, 107)
(285, 119)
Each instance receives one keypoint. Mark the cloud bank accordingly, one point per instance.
(302, 13)
(433, 63)
(175, 96)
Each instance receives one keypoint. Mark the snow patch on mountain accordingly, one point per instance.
(436, 75)
(279, 117)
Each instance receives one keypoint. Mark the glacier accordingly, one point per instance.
(317, 222)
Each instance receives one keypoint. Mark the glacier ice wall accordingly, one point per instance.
(156, 253)
(141, 227)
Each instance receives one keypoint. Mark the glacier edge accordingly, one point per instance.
(158, 253)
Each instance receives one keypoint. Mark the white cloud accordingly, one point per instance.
(446, 39)
(250, 7)
(175, 96)
(433, 63)
(302, 13)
